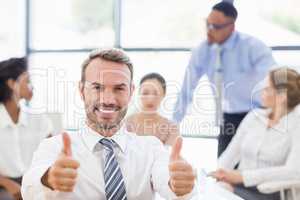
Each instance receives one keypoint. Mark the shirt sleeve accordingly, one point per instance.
(232, 155)
(44, 157)
(192, 75)
(160, 174)
(261, 56)
(289, 171)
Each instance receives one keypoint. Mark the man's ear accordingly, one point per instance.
(132, 88)
(81, 89)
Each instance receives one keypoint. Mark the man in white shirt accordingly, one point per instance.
(102, 160)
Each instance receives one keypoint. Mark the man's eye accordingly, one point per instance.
(97, 88)
(120, 88)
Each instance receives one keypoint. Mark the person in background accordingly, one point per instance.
(148, 121)
(102, 160)
(20, 132)
(234, 62)
(267, 143)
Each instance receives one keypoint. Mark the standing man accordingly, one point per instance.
(103, 160)
(234, 63)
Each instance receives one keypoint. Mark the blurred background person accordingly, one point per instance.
(148, 121)
(234, 62)
(266, 145)
(20, 131)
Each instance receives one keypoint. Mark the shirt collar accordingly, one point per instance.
(6, 121)
(92, 138)
(230, 42)
(286, 122)
(23, 118)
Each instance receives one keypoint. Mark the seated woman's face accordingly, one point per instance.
(151, 94)
(23, 88)
(269, 95)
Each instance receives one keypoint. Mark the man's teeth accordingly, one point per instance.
(106, 111)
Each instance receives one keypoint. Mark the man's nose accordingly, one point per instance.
(209, 30)
(108, 97)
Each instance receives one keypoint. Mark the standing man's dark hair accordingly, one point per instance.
(10, 69)
(227, 9)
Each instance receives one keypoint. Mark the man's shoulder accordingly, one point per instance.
(252, 41)
(203, 45)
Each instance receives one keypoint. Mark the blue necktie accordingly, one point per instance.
(114, 183)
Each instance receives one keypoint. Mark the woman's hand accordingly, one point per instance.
(233, 177)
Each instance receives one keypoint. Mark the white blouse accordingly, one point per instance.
(265, 154)
(19, 141)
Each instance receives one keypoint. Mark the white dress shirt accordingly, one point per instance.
(143, 162)
(20, 140)
(265, 154)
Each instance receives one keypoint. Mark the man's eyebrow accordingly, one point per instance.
(117, 85)
(95, 83)
(121, 85)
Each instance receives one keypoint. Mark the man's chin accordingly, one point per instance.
(107, 126)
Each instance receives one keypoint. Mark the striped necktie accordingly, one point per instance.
(114, 183)
(218, 79)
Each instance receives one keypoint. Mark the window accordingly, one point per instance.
(168, 23)
(72, 24)
(288, 58)
(276, 22)
(12, 32)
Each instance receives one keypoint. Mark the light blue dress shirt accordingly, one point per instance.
(245, 61)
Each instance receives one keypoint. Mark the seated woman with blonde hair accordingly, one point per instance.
(148, 121)
(267, 143)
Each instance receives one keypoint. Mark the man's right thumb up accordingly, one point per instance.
(66, 150)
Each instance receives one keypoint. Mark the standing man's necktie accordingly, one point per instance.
(218, 80)
(114, 183)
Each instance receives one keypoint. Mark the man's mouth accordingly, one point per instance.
(105, 112)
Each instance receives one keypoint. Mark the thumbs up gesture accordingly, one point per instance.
(62, 174)
(182, 176)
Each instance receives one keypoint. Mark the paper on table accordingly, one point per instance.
(209, 189)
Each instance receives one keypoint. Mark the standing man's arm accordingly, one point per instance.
(261, 57)
(262, 62)
(193, 73)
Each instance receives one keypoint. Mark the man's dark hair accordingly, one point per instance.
(227, 9)
(10, 69)
(157, 77)
(110, 54)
